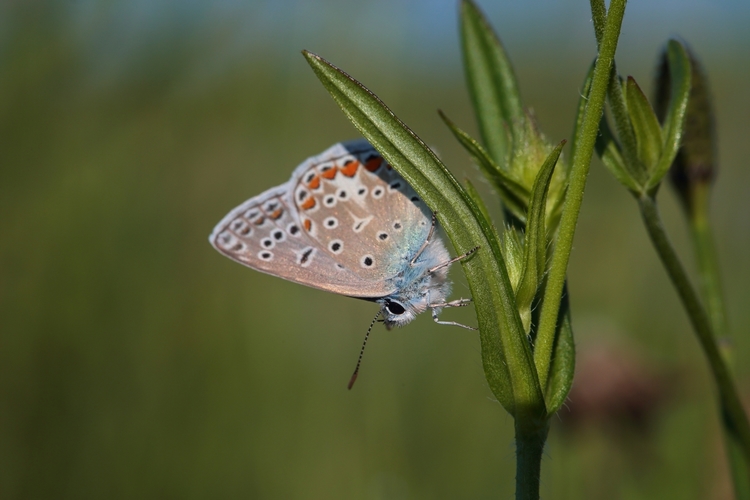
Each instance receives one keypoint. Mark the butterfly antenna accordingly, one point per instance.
(362, 352)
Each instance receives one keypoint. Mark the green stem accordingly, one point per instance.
(739, 466)
(617, 104)
(708, 266)
(708, 269)
(579, 172)
(529, 448)
(733, 415)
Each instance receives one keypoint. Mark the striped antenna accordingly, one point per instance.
(362, 352)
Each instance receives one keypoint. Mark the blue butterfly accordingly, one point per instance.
(348, 223)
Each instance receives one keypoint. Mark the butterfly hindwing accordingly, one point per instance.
(264, 233)
(345, 222)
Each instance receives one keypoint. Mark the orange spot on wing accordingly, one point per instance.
(373, 164)
(308, 225)
(350, 168)
(259, 221)
(314, 183)
(329, 174)
(277, 213)
(308, 203)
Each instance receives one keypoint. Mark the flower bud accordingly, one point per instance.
(694, 167)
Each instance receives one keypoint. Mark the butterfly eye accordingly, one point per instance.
(395, 308)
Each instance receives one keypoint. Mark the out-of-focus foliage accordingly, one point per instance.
(135, 361)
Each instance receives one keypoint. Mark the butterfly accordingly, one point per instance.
(348, 223)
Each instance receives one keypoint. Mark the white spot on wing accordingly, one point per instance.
(336, 246)
(329, 200)
(267, 243)
(225, 239)
(265, 255)
(360, 224)
(305, 257)
(293, 229)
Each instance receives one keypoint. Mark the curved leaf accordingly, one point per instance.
(563, 364)
(609, 151)
(472, 192)
(535, 239)
(506, 354)
(491, 81)
(513, 194)
(645, 125)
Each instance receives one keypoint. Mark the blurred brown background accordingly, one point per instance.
(135, 361)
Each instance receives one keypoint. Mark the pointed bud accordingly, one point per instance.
(530, 150)
(694, 166)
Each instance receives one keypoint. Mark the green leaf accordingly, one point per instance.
(472, 192)
(506, 354)
(513, 254)
(609, 151)
(491, 82)
(513, 194)
(618, 106)
(563, 364)
(674, 122)
(535, 239)
(645, 125)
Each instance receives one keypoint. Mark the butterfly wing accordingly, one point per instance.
(353, 246)
(361, 213)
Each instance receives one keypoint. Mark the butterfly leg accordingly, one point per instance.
(435, 317)
(453, 303)
(454, 259)
(427, 241)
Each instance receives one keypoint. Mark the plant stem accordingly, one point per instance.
(529, 448)
(708, 266)
(739, 466)
(574, 198)
(733, 415)
(617, 104)
(708, 269)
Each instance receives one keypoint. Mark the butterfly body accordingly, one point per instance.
(417, 287)
(345, 222)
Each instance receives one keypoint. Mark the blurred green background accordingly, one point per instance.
(135, 361)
